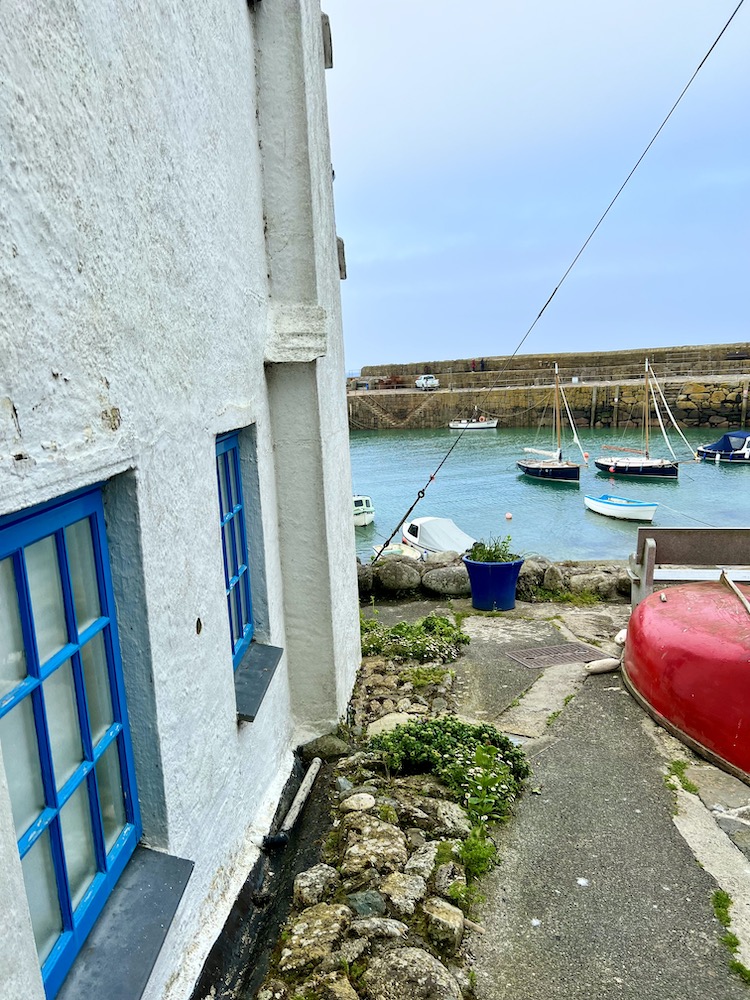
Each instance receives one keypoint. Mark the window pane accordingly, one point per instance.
(12, 655)
(240, 548)
(229, 548)
(21, 756)
(242, 588)
(41, 889)
(94, 658)
(233, 622)
(110, 795)
(46, 597)
(232, 460)
(223, 489)
(83, 572)
(78, 842)
(62, 721)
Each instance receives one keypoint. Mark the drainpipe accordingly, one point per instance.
(281, 839)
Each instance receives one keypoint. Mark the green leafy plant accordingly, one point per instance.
(493, 550)
(677, 769)
(421, 677)
(476, 762)
(428, 639)
(477, 853)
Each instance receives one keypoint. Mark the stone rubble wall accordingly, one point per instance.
(444, 574)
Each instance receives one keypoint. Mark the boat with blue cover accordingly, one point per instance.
(734, 446)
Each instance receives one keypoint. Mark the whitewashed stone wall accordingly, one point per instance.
(168, 272)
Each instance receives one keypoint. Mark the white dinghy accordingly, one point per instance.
(621, 508)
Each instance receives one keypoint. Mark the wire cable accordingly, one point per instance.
(605, 213)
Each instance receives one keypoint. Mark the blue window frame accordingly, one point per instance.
(234, 544)
(63, 721)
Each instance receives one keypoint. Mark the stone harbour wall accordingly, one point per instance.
(721, 403)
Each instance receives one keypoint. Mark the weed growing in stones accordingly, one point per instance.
(483, 768)
(430, 639)
(722, 902)
(677, 770)
(421, 677)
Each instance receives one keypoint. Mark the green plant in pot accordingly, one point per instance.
(493, 570)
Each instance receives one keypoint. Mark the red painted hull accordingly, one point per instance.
(687, 659)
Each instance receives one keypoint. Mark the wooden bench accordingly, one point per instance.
(682, 555)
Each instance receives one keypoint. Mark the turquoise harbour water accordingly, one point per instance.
(480, 483)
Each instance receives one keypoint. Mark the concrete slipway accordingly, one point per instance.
(605, 885)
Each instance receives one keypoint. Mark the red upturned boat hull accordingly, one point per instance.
(687, 660)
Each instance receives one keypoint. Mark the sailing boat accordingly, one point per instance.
(552, 466)
(641, 464)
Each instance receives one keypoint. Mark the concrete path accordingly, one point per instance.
(599, 894)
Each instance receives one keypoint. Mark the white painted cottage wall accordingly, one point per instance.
(142, 276)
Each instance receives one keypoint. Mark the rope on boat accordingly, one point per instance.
(605, 213)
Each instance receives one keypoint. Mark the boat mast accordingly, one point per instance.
(645, 410)
(557, 414)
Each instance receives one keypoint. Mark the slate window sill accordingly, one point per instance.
(122, 948)
(252, 677)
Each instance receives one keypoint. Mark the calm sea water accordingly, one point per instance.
(480, 483)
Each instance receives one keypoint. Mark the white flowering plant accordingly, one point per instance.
(433, 639)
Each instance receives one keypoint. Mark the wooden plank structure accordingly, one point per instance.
(684, 555)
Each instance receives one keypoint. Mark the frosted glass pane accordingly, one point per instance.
(12, 655)
(62, 721)
(46, 597)
(78, 842)
(41, 889)
(238, 539)
(21, 756)
(98, 696)
(110, 795)
(83, 572)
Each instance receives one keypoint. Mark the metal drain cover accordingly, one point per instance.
(537, 657)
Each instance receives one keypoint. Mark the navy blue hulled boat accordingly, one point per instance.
(734, 446)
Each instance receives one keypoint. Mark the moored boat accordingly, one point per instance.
(687, 661)
(364, 512)
(552, 467)
(622, 508)
(734, 446)
(481, 423)
(435, 534)
(642, 465)
(396, 549)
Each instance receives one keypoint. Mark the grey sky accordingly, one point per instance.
(475, 146)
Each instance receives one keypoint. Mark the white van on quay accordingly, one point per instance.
(427, 382)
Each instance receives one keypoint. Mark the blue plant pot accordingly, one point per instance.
(493, 585)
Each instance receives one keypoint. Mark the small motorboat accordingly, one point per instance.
(734, 446)
(364, 512)
(476, 422)
(687, 661)
(622, 508)
(396, 549)
(435, 534)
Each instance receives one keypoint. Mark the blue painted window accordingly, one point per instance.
(63, 721)
(234, 544)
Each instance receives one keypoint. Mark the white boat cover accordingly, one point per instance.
(436, 534)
